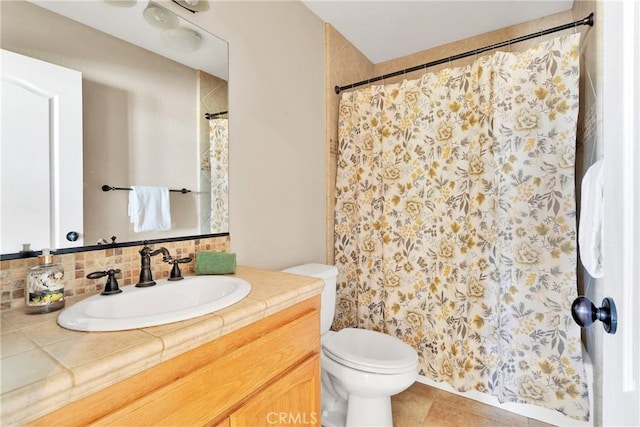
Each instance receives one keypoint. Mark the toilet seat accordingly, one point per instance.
(370, 351)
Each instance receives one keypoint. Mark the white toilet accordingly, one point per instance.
(361, 369)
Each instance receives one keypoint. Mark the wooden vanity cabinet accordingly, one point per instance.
(267, 373)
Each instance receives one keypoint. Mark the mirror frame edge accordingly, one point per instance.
(33, 254)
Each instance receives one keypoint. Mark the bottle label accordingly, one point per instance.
(44, 288)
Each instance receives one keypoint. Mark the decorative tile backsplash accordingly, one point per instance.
(77, 265)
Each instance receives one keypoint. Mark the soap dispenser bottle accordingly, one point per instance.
(45, 286)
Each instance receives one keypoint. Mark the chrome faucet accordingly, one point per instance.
(146, 278)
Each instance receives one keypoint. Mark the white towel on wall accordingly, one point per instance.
(149, 209)
(591, 215)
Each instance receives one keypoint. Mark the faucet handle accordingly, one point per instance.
(99, 274)
(111, 287)
(171, 260)
(176, 274)
(145, 250)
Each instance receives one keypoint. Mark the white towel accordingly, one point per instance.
(591, 214)
(149, 209)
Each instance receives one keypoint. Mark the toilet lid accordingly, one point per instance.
(370, 351)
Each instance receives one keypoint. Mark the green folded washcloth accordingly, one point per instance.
(215, 263)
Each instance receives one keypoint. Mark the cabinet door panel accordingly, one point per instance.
(292, 400)
(211, 391)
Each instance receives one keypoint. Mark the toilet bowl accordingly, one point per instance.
(364, 368)
(361, 369)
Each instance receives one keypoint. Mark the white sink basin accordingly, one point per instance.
(165, 302)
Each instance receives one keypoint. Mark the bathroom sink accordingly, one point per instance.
(166, 302)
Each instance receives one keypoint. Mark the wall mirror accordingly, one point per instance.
(154, 92)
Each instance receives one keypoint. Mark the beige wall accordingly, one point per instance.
(276, 129)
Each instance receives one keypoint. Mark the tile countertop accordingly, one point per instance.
(45, 366)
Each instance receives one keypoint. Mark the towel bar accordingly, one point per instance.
(110, 188)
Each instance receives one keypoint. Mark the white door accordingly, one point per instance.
(41, 176)
(621, 256)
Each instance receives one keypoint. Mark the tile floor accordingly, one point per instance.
(421, 405)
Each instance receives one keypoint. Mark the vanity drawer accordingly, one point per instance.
(291, 400)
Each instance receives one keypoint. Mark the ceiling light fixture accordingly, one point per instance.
(193, 5)
(182, 38)
(160, 17)
(121, 3)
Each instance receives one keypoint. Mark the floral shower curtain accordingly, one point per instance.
(219, 159)
(455, 223)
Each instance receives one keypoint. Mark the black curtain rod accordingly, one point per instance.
(586, 21)
(210, 116)
(110, 188)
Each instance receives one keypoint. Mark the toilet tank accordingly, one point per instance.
(329, 274)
